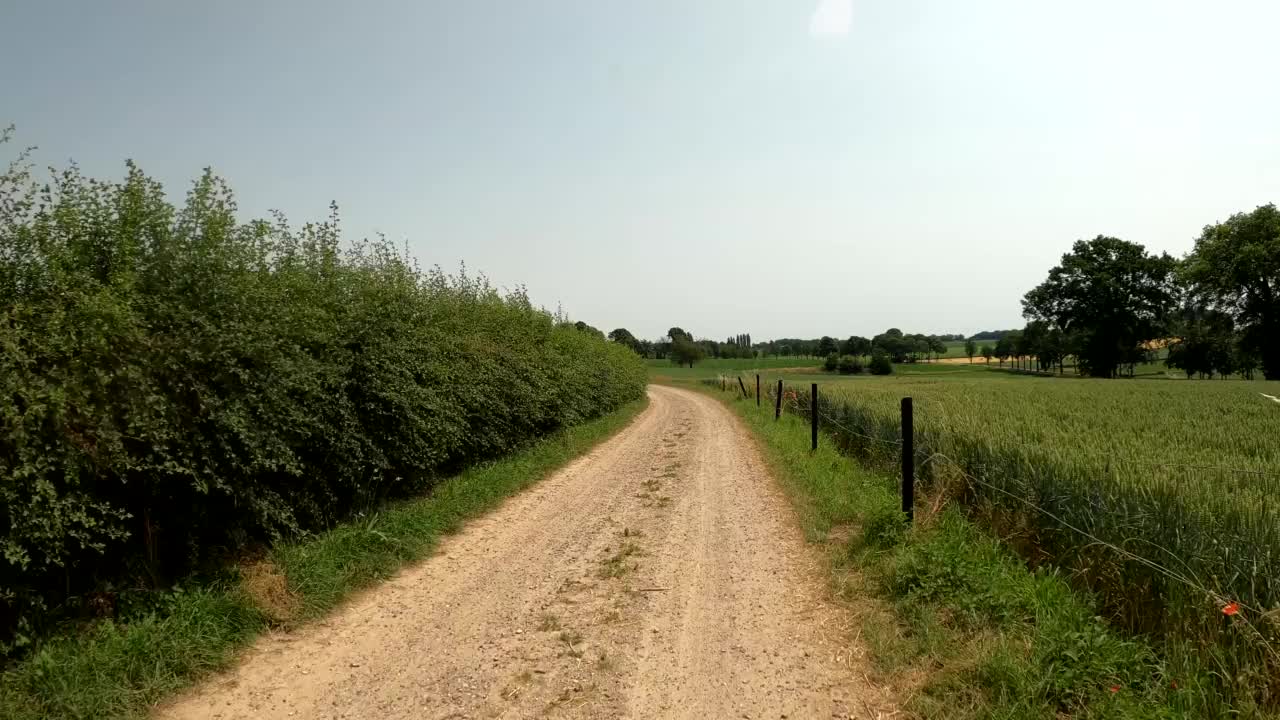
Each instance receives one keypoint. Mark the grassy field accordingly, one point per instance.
(664, 371)
(1155, 495)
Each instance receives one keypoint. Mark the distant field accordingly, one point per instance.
(806, 369)
(713, 367)
(799, 369)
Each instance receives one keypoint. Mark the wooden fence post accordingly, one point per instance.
(777, 403)
(757, 389)
(743, 385)
(908, 460)
(813, 413)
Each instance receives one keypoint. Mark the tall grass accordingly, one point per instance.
(1155, 496)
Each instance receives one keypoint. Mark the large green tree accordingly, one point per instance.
(623, 336)
(893, 343)
(1110, 296)
(856, 346)
(1235, 267)
(1205, 342)
(917, 346)
(1045, 343)
(583, 327)
(686, 352)
(937, 346)
(827, 345)
(1004, 346)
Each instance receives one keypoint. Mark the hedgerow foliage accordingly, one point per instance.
(175, 384)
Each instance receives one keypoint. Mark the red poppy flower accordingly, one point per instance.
(1115, 688)
(1231, 609)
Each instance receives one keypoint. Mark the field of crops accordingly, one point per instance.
(1169, 424)
(1157, 495)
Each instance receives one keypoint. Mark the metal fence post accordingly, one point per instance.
(813, 413)
(908, 460)
(757, 389)
(777, 403)
(743, 385)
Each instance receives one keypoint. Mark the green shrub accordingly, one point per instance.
(176, 384)
(831, 362)
(884, 527)
(965, 571)
(881, 364)
(850, 365)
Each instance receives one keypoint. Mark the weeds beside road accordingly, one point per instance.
(119, 669)
(955, 620)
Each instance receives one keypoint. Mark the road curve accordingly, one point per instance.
(661, 575)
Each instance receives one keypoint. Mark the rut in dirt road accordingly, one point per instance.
(661, 575)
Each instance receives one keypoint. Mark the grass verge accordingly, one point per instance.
(120, 668)
(953, 619)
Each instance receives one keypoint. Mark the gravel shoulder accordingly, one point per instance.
(660, 575)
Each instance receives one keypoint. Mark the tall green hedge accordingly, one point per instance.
(176, 384)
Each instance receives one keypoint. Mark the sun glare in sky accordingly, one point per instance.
(831, 18)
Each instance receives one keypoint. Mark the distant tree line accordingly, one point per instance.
(992, 335)
(681, 348)
(851, 355)
(1107, 307)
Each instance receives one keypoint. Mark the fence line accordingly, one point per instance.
(794, 403)
(791, 402)
(794, 406)
(1216, 597)
(1101, 459)
(1236, 578)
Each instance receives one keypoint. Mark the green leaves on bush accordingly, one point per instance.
(850, 365)
(880, 364)
(175, 384)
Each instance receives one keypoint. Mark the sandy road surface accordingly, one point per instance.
(658, 576)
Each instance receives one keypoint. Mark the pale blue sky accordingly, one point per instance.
(709, 164)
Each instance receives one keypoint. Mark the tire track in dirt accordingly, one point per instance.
(660, 575)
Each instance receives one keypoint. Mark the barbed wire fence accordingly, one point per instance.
(1242, 582)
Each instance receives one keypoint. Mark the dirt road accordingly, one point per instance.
(659, 576)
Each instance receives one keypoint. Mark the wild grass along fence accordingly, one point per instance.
(1185, 553)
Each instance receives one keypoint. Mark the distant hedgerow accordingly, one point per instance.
(176, 384)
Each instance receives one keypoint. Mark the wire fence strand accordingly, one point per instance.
(1218, 598)
(1101, 460)
(1186, 577)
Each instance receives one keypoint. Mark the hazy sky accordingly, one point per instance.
(764, 166)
